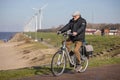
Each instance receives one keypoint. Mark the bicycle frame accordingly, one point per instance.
(65, 50)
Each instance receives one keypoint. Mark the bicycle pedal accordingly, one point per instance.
(71, 65)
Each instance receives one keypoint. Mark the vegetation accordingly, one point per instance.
(49, 37)
(35, 45)
(100, 43)
(100, 61)
(19, 73)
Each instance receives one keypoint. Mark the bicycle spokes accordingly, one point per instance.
(58, 63)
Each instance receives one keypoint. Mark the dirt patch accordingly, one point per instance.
(38, 57)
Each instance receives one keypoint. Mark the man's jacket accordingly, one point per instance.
(78, 26)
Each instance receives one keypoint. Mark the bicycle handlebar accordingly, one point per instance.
(65, 33)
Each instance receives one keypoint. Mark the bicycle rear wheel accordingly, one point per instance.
(58, 63)
(84, 64)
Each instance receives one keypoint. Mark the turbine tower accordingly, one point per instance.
(39, 16)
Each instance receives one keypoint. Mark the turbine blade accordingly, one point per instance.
(44, 6)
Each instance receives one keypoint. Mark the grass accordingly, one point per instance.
(50, 38)
(38, 45)
(33, 46)
(99, 43)
(15, 74)
(100, 61)
(102, 43)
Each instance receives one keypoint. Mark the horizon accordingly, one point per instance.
(14, 16)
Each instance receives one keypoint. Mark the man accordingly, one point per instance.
(77, 25)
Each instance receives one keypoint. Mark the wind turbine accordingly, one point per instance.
(39, 16)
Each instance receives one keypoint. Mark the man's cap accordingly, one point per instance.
(76, 13)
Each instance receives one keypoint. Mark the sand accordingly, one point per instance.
(9, 59)
(14, 55)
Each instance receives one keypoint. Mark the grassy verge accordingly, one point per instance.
(100, 43)
(100, 61)
(49, 37)
(15, 74)
(27, 72)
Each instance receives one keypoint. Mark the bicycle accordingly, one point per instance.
(59, 59)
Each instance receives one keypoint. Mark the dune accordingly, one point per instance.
(14, 55)
(9, 59)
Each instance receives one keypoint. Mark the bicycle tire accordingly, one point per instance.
(58, 63)
(84, 64)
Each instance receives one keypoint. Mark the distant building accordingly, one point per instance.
(90, 31)
(107, 31)
(113, 31)
(98, 32)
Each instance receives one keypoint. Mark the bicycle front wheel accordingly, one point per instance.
(58, 63)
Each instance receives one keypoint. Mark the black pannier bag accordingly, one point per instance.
(87, 50)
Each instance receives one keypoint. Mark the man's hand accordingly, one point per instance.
(74, 33)
(58, 32)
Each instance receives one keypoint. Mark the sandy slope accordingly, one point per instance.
(9, 57)
(14, 55)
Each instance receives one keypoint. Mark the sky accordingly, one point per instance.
(14, 14)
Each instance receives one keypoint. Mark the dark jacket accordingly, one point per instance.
(78, 26)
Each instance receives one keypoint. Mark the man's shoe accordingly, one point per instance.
(71, 65)
(78, 68)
